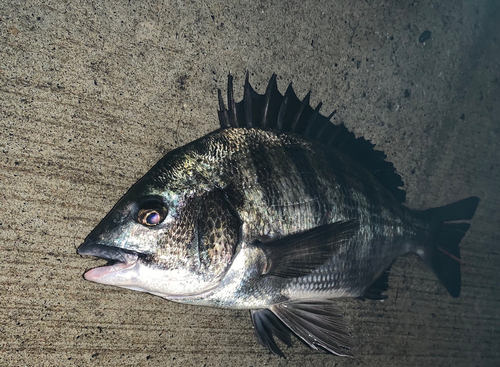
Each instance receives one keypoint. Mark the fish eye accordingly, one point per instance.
(151, 213)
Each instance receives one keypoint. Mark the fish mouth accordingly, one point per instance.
(118, 259)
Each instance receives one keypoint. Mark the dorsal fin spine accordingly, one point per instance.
(296, 119)
(312, 119)
(231, 103)
(334, 135)
(271, 87)
(284, 104)
(247, 97)
(321, 134)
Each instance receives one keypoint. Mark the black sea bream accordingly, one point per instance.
(280, 212)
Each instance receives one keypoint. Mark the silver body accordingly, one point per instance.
(277, 185)
(385, 233)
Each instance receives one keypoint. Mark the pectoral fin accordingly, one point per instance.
(318, 323)
(299, 254)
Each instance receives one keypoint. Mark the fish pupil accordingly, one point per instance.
(153, 218)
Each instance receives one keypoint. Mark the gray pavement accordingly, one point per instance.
(93, 93)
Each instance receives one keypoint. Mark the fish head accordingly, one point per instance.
(172, 234)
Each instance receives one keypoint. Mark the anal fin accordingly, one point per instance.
(318, 323)
(374, 291)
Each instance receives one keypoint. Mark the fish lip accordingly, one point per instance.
(110, 253)
(191, 296)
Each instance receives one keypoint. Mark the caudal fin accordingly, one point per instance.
(443, 254)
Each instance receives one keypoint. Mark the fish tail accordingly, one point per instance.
(443, 254)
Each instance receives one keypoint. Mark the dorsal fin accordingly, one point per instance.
(287, 113)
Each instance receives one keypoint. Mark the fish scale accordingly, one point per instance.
(280, 212)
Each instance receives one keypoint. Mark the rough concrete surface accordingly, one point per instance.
(93, 93)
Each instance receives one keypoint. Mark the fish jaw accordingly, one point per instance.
(107, 274)
(122, 269)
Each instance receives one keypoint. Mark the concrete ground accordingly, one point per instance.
(93, 93)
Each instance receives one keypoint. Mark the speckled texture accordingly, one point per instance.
(93, 93)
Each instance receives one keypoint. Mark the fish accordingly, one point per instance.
(279, 212)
